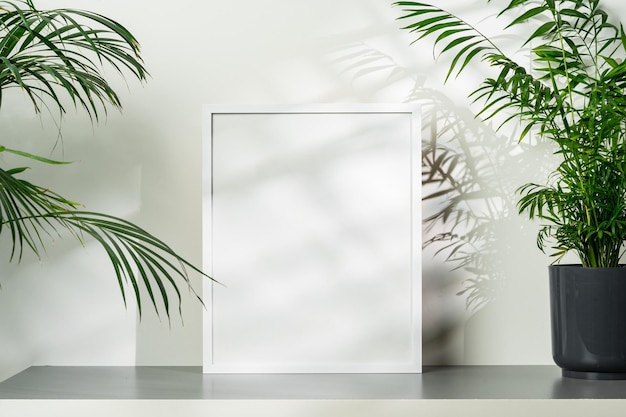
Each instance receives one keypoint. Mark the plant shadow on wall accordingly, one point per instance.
(57, 59)
(469, 176)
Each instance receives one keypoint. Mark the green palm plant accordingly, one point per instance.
(57, 59)
(571, 92)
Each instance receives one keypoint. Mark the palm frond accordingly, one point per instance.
(453, 34)
(50, 53)
(140, 260)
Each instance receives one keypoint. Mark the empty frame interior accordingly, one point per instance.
(312, 224)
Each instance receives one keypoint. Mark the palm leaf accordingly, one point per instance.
(42, 50)
(58, 57)
(138, 258)
(455, 34)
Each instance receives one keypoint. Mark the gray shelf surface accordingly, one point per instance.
(458, 382)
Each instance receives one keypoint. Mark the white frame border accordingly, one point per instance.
(413, 110)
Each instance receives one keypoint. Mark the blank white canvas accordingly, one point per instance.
(312, 224)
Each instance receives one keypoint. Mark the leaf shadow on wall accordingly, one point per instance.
(470, 173)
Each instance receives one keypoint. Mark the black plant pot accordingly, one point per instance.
(588, 308)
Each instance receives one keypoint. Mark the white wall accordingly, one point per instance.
(146, 165)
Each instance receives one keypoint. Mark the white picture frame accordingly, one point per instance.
(312, 223)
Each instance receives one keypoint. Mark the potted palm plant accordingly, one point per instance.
(57, 59)
(570, 92)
